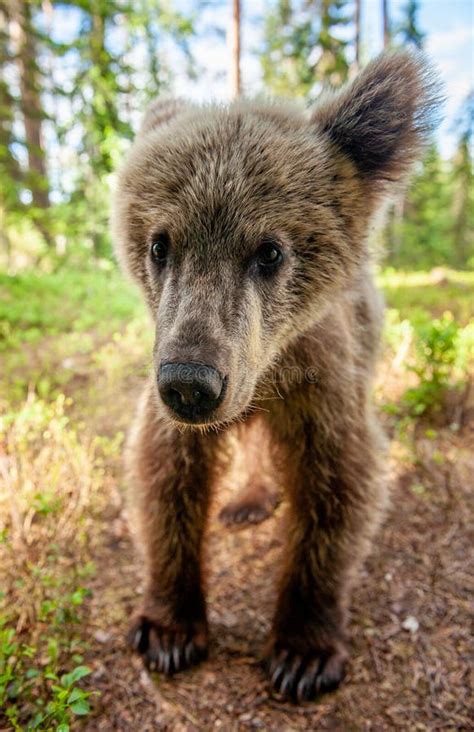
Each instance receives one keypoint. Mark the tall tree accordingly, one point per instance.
(25, 40)
(303, 48)
(408, 31)
(422, 235)
(404, 34)
(106, 78)
(386, 24)
(462, 176)
(357, 38)
(235, 48)
(10, 171)
(332, 67)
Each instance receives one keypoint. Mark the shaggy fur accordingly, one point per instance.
(295, 348)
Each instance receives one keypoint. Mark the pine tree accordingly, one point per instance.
(357, 32)
(386, 24)
(423, 232)
(408, 32)
(10, 171)
(462, 177)
(332, 67)
(302, 50)
(20, 53)
(105, 82)
(235, 49)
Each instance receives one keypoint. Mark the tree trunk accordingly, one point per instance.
(31, 106)
(461, 227)
(235, 49)
(357, 33)
(386, 24)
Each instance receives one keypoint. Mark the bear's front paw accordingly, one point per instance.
(168, 649)
(302, 677)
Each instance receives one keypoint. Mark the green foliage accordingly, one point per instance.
(33, 693)
(432, 348)
(419, 239)
(67, 300)
(89, 91)
(408, 31)
(302, 47)
(462, 184)
(436, 224)
(433, 225)
(421, 296)
(436, 354)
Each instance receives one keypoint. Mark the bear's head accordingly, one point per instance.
(243, 224)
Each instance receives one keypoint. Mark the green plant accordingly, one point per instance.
(35, 697)
(436, 355)
(35, 693)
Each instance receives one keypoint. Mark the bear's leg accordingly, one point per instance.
(335, 492)
(171, 476)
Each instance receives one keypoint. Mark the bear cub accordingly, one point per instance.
(246, 229)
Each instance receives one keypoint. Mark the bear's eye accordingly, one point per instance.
(269, 256)
(160, 245)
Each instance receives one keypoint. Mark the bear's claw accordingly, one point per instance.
(304, 677)
(166, 650)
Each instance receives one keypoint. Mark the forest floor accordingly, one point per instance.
(74, 357)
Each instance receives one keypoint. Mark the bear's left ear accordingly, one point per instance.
(383, 119)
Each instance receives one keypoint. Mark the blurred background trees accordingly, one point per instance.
(76, 75)
(303, 49)
(74, 79)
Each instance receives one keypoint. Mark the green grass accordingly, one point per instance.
(36, 305)
(56, 328)
(419, 297)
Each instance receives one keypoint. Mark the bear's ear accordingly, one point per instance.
(383, 119)
(161, 111)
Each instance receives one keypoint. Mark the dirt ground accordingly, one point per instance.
(412, 648)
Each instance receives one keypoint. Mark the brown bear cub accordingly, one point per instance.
(246, 227)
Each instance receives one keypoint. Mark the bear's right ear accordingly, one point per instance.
(161, 111)
(383, 119)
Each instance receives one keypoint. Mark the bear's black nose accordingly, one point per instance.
(191, 390)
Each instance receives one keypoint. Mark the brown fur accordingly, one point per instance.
(300, 345)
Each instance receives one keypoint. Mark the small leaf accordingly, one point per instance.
(81, 707)
(79, 672)
(75, 695)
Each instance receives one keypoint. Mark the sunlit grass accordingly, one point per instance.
(33, 306)
(420, 296)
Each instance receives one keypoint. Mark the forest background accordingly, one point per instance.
(75, 78)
